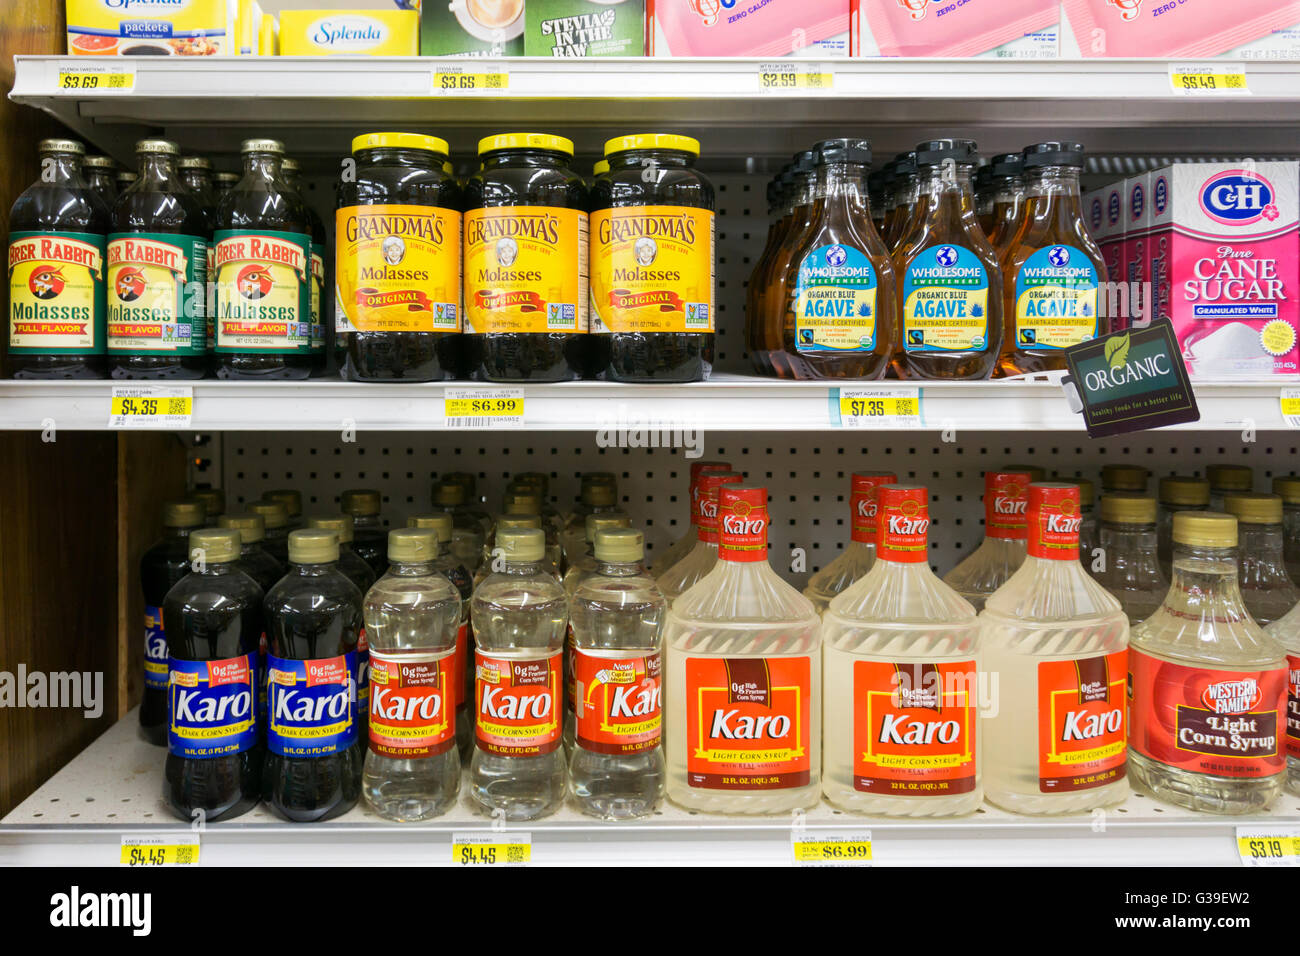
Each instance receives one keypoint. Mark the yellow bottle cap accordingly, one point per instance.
(251, 527)
(598, 494)
(262, 146)
(214, 500)
(515, 522)
(439, 523)
(1288, 486)
(313, 546)
(601, 167)
(521, 544)
(1087, 491)
(187, 513)
(342, 525)
(1231, 477)
(430, 144)
(523, 503)
(555, 144)
(218, 545)
(1254, 508)
(413, 545)
(449, 494)
(1124, 478)
(463, 478)
(1128, 508)
(1189, 492)
(274, 513)
(606, 521)
(360, 501)
(620, 545)
(291, 499)
(1205, 529)
(621, 144)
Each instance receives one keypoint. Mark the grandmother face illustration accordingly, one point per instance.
(645, 251)
(394, 250)
(507, 252)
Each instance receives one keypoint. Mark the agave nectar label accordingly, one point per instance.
(526, 269)
(914, 728)
(946, 301)
(617, 702)
(748, 722)
(1081, 739)
(1006, 504)
(742, 524)
(412, 704)
(311, 705)
(865, 506)
(517, 704)
(212, 707)
(56, 293)
(652, 269)
(904, 524)
(1054, 520)
(397, 269)
(835, 301)
(1056, 299)
(1221, 723)
(263, 292)
(155, 649)
(157, 294)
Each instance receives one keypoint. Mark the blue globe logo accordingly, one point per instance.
(836, 256)
(1059, 256)
(946, 256)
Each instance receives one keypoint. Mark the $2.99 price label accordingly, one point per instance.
(491, 848)
(1268, 846)
(831, 848)
(787, 77)
(878, 408)
(173, 850)
(484, 407)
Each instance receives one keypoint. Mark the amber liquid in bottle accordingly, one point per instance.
(1008, 211)
(780, 213)
(777, 282)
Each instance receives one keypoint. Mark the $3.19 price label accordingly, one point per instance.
(108, 78)
(484, 407)
(491, 848)
(150, 406)
(788, 77)
(1269, 846)
(172, 850)
(451, 80)
(831, 848)
(1218, 79)
(878, 408)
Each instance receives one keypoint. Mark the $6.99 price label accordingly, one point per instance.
(831, 848)
(484, 407)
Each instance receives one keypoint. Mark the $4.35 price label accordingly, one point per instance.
(491, 848)
(1269, 846)
(98, 78)
(879, 408)
(831, 848)
(1216, 79)
(793, 77)
(170, 850)
(452, 80)
(150, 406)
(484, 407)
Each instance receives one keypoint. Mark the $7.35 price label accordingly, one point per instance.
(790, 77)
(831, 848)
(1269, 846)
(491, 848)
(484, 407)
(879, 408)
(1217, 79)
(150, 406)
(171, 850)
(450, 80)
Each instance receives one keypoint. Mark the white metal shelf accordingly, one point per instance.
(727, 402)
(113, 787)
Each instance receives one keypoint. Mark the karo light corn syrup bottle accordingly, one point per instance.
(859, 557)
(1129, 568)
(1006, 535)
(683, 545)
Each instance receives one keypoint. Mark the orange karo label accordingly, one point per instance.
(914, 728)
(1081, 722)
(618, 703)
(412, 709)
(748, 721)
(517, 704)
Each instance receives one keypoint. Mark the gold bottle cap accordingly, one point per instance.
(1252, 508)
(598, 494)
(1128, 508)
(620, 545)
(1188, 492)
(291, 499)
(449, 494)
(289, 165)
(1288, 486)
(360, 501)
(414, 545)
(1124, 478)
(251, 527)
(125, 177)
(1205, 529)
(605, 521)
(226, 179)
(218, 545)
(61, 146)
(99, 162)
(1231, 477)
(262, 146)
(515, 522)
(186, 513)
(342, 525)
(523, 503)
(521, 544)
(1087, 491)
(463, 478)
(536, 478)
(274, 513)
(313, 546)
(157, 147)
(1035, 473)
(214, 500)
(439, 523)
(195, 162)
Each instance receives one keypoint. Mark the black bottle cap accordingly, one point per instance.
(856, 151)
(1007, 164)
(1054, 154)
(904, 165)
(936, 152)
(983, 178)
(805, 161)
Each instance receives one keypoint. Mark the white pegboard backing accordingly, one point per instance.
(807, 476)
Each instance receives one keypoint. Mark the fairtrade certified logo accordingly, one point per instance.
(46, 282)
(946, 256)
(1059, 256)
(836, 256)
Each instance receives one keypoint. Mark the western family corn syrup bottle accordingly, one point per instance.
(525, 261)
(158, 273)
(397, 240)
(652, 269)
(263, 283)
(56, 271)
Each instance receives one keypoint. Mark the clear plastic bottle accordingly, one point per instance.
(491, 558)
(683, 545)
(412, 768)
(1007, 195)
(1287, 633)
(275, 521)
(369, 538)
(1006, 531)
(1089, 526)
(597, 497)
(254, 560)
(1056, 643)
(1228, 480)
(900, 663)
(473, 503)
(744, 708)
(1267, 589)
(574, 522)
(520, 617)
(1175, 495)
(1287, 487)
(702, 559)
(468, 533)
(313, 624)
(530, 503)
(540, 484)
(1129, 568)
(616, 771)
(1128, 479)
(860, 555)
(350, 563)
(1208, 687)
(214, 745)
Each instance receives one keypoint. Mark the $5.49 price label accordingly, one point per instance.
(171, 850)
(1217, 79)
(831, 848)
(453, 80)
(491, 848)
(877, 408)
(150, 406)
(97, 78)
(1269, 846)
(484, 407)
(787, 77)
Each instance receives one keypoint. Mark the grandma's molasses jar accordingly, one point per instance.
(397, 261)
(525, 261)
(263, 282)
(652, 262)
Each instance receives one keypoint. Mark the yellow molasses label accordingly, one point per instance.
(56, 293)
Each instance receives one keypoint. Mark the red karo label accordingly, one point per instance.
(329, 670)
(697, 469)
(231, 671)
(742, 523)
(1054, 520)
(709, 485)
(864, 507)
(1006, 504)
(904, 524)
(412, 714)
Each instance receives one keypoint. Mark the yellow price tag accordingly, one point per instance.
(454, 79)
(1290, 401)
(484, 407)
(491, 849)
(793, 77)
(159, 851)
(876, 407)
(838, 848)
(98, 79)
(1268, 846)
(150, 406)
(1209, 80)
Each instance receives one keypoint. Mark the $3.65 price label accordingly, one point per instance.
(171, 850)
(789, 77)
(1269, 846)
(150, 406)
(877, 408)
(491, 848)
(1218, 79)
(484, 407)
(831, 848)
(451, 80)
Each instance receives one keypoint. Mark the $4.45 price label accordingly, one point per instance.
(98, 78)
(484, 407)
(831, 848)
(453, 80)
(150, 406)
(880, 408)
(1269, 846)
(491, 848)
(1210, 79)
(170, 850)
(793, 77)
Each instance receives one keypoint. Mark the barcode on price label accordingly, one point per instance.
(150, 406)
(831, 848)
(881, 407)
(1269, 846)
(484, 407)
(1209, 79)
(171, 850)
(491, 848)
(453, 80)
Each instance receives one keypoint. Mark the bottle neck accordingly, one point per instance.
(618, 569)
(947, 190)
(62, 168)
(907, 191)
(218, 567)
(1204, 584)
(156, 169)
(263, 166)
(1263, 544)
(1054, 192)
(410, 569)
(311, 570)
(536, 158)
(843, 186)
(389, 156)
(522, 568)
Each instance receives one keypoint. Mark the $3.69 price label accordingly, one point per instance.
(491, 848)
(171, 850)
(786, 77)
(111, 78)
(877, 408)
(484, 407)
(1268, 846)
(831, 848)
(150, 406)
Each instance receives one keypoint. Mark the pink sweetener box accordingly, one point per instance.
(1001, 29)
(1249, 29)
(757, 28)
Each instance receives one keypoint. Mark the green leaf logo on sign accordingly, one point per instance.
(1116, 350)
